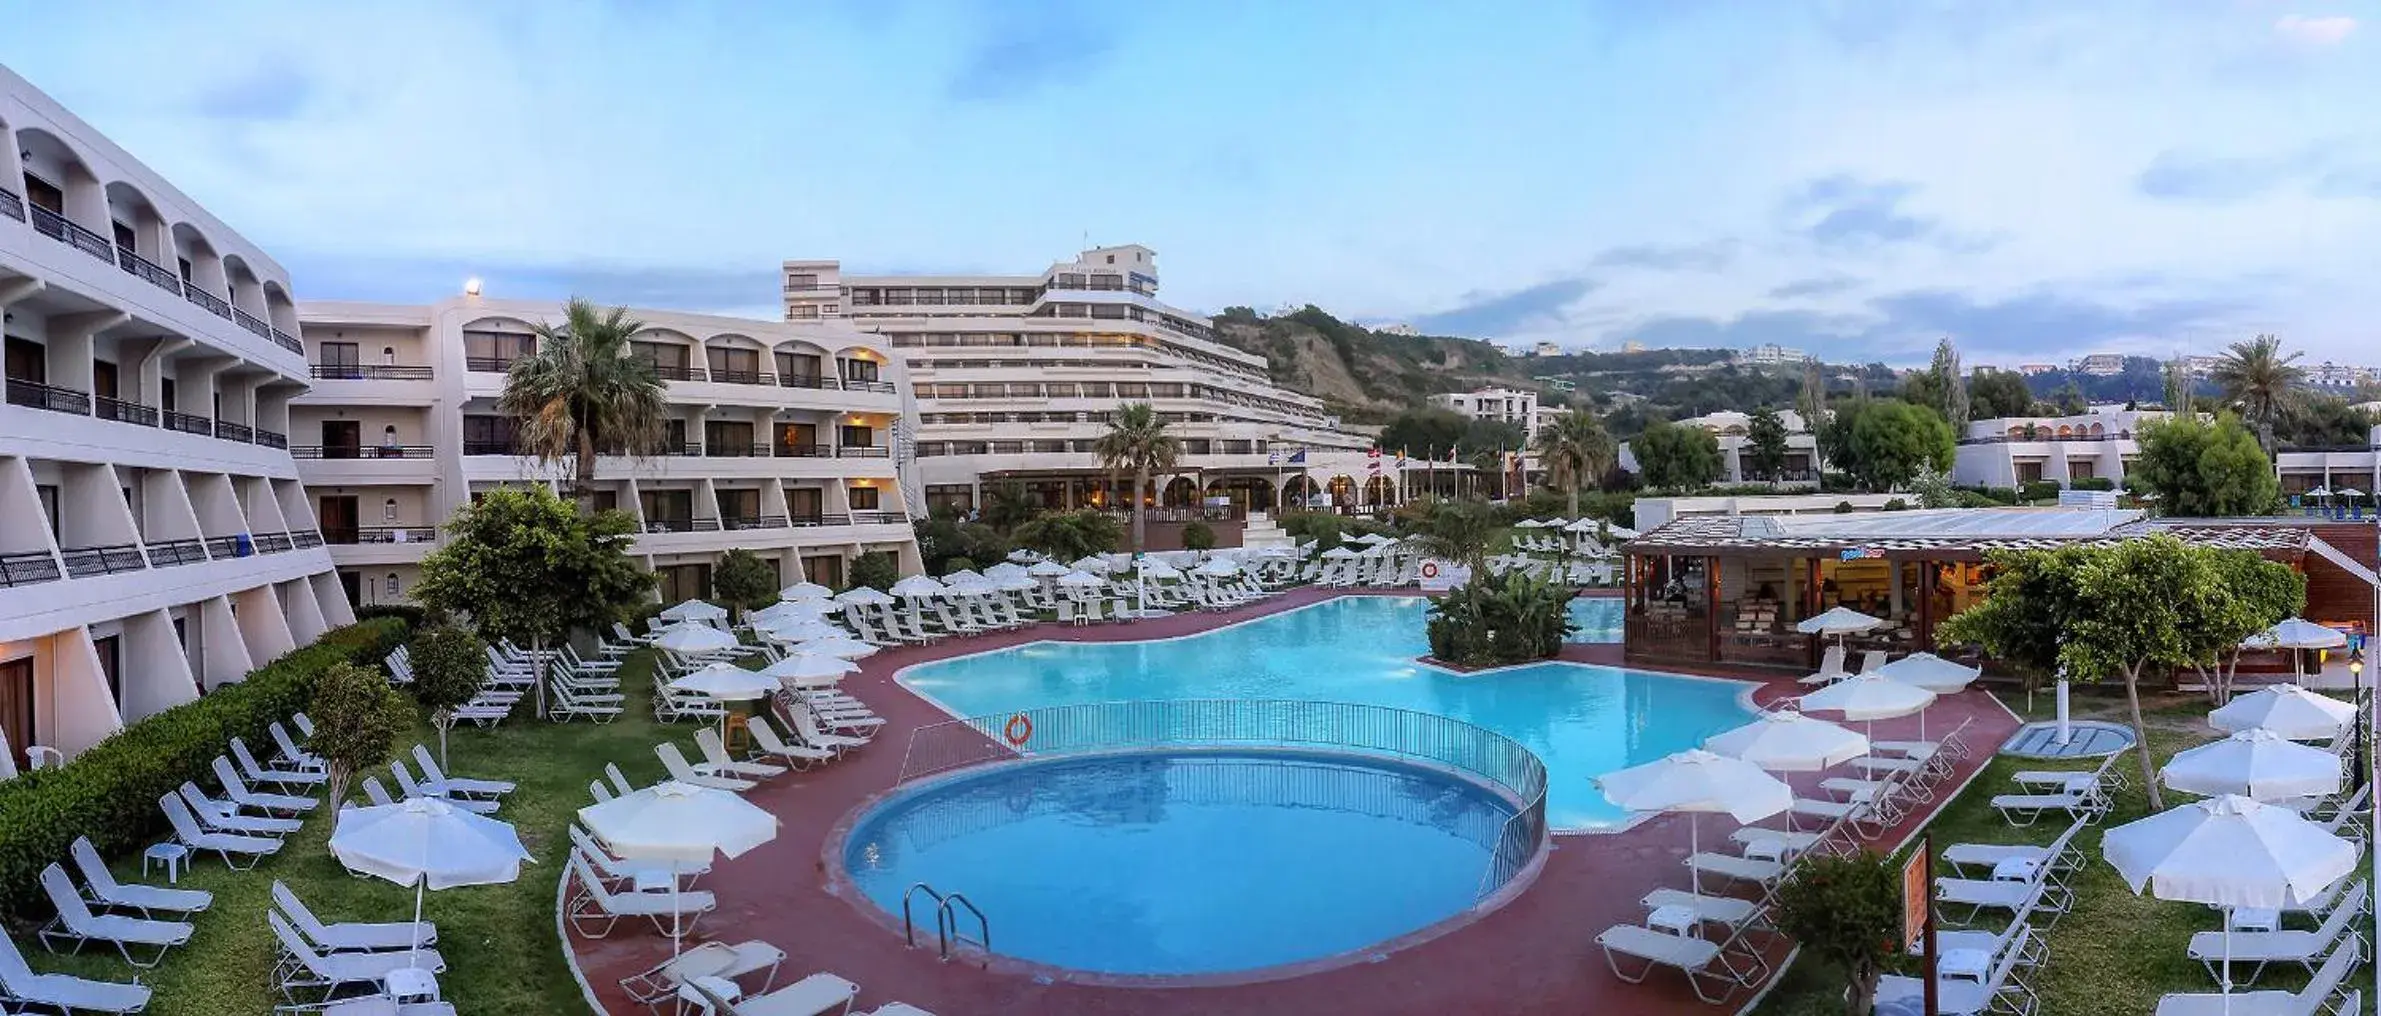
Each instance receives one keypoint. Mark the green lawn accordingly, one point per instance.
(2115, 953)
(502, 957)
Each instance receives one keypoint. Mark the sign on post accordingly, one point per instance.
(1915, 896)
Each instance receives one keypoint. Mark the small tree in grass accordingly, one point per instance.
(357, 718)
(448, 665)
(744, 581)
(1845, 912)
(875, 569)
(526, 565)
(1198, 536)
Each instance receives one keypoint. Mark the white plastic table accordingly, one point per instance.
(412, 984)
(1675, 919)
(171, 854)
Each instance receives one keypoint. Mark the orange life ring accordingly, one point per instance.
(1018, 731)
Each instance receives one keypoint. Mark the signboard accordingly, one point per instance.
(1439, 576)
(1859, 553)
(1916, 894)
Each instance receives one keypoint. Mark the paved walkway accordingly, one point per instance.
(1536, 954)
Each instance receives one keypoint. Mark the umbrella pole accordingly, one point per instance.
(419, 886)
(1694, 846)
(675, 932)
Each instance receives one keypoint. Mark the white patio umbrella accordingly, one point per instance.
(1219, 567)
(863, 596)
(726, 682)
(427, 844)
(1837, 621)
(916, 586)
(1557, 522)
(678, 823)
(1024, 556)
(1003, 570)
(2288, 710)
(801, 629)
(1152, 568)
(2296, 634)
(962, 575)
(2319, 491)
(809, 670)
(2349, 492)
(1375, 539)
(1081, 580)
(789, 611)
(2257, 764)
(1529, 524)
(1014, 583)
(805, 591)
(1095, 564)
(1696, 781)
(1340, 553)
(2228, 852)
(1933, 673)
(839, 646)
(694, 610)
(1871, 697)
(1047, 569)
(690, 637)
(1789, 742)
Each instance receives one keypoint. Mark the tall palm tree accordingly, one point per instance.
(2257, 377)
(1577, 451)
(1137, 440)
(585, 392)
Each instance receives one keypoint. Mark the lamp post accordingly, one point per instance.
(2356, 681)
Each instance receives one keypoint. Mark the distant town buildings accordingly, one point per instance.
(1556, 383)
(2031, 369)
(1504, 405)
(1632, 346)
(2098, 364)
(1546, 349)
(1771, 354)
(1400, 328)
(2333, 375)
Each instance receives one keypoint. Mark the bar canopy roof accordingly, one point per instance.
(1948, 533)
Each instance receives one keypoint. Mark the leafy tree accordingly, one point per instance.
(2261, 594)
(1007, 505)
(2257, 378)
(2315, 421)
(1197, 535)
(526, 565)
(943, 537)
(2070, 399)
(1485, 443)
(1424, 433)
(357, 718)
(1846, 912)
(1458, 531)
(1675, 456)
(1070, 535)
(1810, 399)
(1891, 441)
(743, 581)
(1951, 385)
(2203, 468)
(1933, 488)
(1999, 394)
(1501, 618)
(1764, 453)
(585, 392)
(875, 569)
(448, 666)
(1137, 440)
(2175, 377)
(1835, 435)
(1576, 451)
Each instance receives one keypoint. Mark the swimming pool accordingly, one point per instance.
(1185, 862)
(1583, 720)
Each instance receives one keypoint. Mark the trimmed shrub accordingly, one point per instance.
(413, 616)
(110, 792)
(1197, 535)
(1897, 505)
(2039, 490)
(1499, 618)
(875, 569)
(2092, 483)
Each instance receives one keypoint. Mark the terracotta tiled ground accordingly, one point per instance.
(1536, 954)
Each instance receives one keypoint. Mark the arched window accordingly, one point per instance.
(388, 355)
(394, 589)
(388, 510)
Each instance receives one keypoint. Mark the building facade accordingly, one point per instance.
(2017, 450)
(782, 439)
(1733, 431)
(154, 538)
(1017, 376)
(1495, 404)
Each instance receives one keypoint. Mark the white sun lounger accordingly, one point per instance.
(594, 909)
(453, 785)
(1775, 844)
(77, 924)
(101, 885)
(2060, 856)
(351, 936)
(675, 761)
(296, 757)
(811, 735)
(814, 995)
(658, 983)
(382, 1005)
(1702, 961)
(1743, 869)
(1959, 996)
(259, 774)
(225, 845)
(406, 785)
(225, 817)
(64, 992)
(717, 762)
(633, 876)
(2039, 895)
(237, 789)
(2259, 948)
(2306, 1002)
(766, 744)
(303, 968)
(1722, 910)
(2081, 802)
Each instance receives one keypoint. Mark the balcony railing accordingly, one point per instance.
(289, 342)
(821, 519)
(742, 377)
(863, 452)
(252, 323)
(35, 395)
(273, 543)
(669, 525)
(223, 548)
(215, 305)
(680, 449)
(733, 522)
(361, 452)
(805, 451)
(305, 539)
(28, 568)
(877, 518)
(805, 381)
(11, 205)
(148, 271)
(84, 562)
(668, 372)
(490, 448)
(381, 534)
(124, 412)
(368, 372)
(490, 364)
(173, 552)
(879, 387)
(230, 431)
(187, 423)
(725, 450)
(271, 438)
(58, 227)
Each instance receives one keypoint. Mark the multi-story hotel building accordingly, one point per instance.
(1017, 376)
(154, 538)
(781, 439)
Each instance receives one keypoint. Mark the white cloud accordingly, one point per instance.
(2315, 31)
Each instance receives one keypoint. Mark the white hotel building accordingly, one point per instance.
(780, 440)
(1017, 376)
(154, 537)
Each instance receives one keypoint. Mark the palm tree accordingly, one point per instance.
(2256, 376)
(585, 392)
(1576, 451)
(1137, 440)
(1458, 531)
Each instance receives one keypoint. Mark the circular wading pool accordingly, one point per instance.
(1199, 862)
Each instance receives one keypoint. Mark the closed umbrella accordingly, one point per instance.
(678, 823)
(428, 844)
(1788, 741)
(2257, 764)
(2288, 710)
(1871, 697)
(693, 638)
(1697, 781)
(695, 610)
(805, 591)
(2228, 852)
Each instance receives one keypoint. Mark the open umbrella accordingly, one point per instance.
(1933, 673)
(1871, 697)
(917, 586)
(1047, 569)
(1340, 553)
(839, 646)
(678, 823)
(1152, 568)
(1789, 742)
(1003, 570)
(805, 591)
(1024, 556)
(693, 638)
(787, 611)
(1837, 621)
(2297, 634)
(2257, 764)
(1081, 580)
(427, 844)
(2288, 710)
(1696, 781)
(1529, 524)
(1218, 567)
(809, 670)
(1095, 564)
(863, 596)
(2228, 852)
(694, 610)
(962, 575)
(800, 629)
(726, 682)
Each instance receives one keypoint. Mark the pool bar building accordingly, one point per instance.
(1728, 589)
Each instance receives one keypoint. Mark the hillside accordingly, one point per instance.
(1363, 375)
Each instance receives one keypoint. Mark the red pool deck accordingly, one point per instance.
(1535, 954)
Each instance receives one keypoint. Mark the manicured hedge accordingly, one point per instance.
(2092, 483)
(406, 612)
(2038, 490)
(110, 792)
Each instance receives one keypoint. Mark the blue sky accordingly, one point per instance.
(2035, 179)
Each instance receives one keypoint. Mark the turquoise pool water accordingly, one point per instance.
(1185, 863)
(1584, 721)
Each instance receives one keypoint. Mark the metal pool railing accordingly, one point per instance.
(1335, 726)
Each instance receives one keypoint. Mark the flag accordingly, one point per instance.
(1298, 458)
(1273, 458)
(1401, 458)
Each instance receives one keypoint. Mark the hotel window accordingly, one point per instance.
(864, 499)
(860, 370)
(802, 281)
(857, 435)
(673, 508)
(340, 359)
(668, 359)
(735, 365)
(44, 194)
(487, 435)
(16, 703)
(496, 350)
(391, 584)
(388, 510)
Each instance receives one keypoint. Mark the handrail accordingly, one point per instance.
(1057, 731)
(35, 395)
(946, 920)
(368, 371)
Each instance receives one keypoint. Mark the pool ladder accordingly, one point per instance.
(946, 920)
